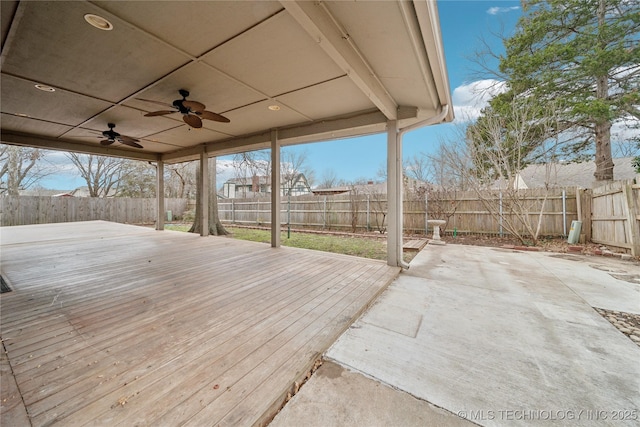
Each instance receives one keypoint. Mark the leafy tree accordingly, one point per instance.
(20, 168)
(585, 53)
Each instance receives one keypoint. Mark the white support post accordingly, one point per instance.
(204, 193)
(275, 190)
(160, 195)
(394, 195)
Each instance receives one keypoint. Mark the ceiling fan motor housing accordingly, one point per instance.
(178, 104)
(110, 134)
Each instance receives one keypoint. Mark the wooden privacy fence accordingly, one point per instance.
(465, 211)
(615, 215)
(489, 212)
(610, 214)
(23, 210)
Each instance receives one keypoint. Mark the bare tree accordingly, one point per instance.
(491, 157)
(418, 167)
(293, 164)
(354, 203)
(180, 180)
(329, 179)
(102, 174)
(250, 166)
(378, 206)
(256, 165)
(20, 168)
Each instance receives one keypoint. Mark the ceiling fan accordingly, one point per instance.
(192, 111)
(113, 136)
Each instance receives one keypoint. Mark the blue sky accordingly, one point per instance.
(463, 23)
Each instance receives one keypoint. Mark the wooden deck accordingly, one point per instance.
(110, 324)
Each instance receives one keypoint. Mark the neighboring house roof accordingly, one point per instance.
(330, 191)
(371, 188)
(249, 181)
(572, 174)
(263, 180)
(45, 193)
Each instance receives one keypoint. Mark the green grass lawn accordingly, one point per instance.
(357, 246)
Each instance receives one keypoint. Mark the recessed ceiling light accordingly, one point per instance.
(45, 88)
(274, 107)
(98, 21)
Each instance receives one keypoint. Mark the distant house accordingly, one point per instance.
(570, 174)
(260, 186)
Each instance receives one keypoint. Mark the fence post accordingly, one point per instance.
(426, 213)
(233, 212)
(324, 215)
(564, 213)
(368, 212)
(633, 215)
(585, 207)
(501, 232)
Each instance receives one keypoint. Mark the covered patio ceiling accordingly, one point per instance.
(313, 70)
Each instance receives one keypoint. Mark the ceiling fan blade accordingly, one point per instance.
(130, 142)
(160, 113)
(127, 138)
(164, 104)
(193, 121)
(107, 142)
(210, 115)
(194, 106)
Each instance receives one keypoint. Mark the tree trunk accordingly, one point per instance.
(215, 226)
(604, 162)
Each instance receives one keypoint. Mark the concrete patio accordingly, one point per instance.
(484, 335)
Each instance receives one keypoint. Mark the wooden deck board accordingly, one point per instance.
(12, 410)
(415, 245)
(130, 326)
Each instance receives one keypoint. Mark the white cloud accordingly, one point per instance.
(470, 98)
(225, 171)
(497, 9)
(624, 136)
